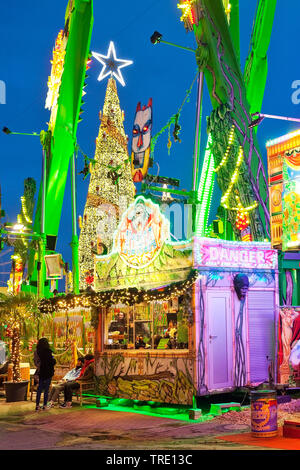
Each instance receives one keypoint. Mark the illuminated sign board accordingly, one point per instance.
(291, 200)
(54, 80)
(210, 252)
(54, 266)
(284, 187)
(142, 232)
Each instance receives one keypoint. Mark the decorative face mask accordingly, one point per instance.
(141, 140)
(241, 285)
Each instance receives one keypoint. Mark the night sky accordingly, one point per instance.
(28, 33)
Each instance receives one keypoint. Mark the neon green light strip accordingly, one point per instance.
(205, 190)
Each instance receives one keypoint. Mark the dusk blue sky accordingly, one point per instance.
(28, 33)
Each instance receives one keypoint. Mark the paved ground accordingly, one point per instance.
(21, 428)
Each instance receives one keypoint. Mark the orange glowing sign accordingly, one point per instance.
(54, 80)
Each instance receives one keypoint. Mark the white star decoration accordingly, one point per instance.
(111, 64)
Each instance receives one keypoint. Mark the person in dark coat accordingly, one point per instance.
(46, 363)
(86, 374)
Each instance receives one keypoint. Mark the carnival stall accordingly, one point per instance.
(236, 314)
(183, 319)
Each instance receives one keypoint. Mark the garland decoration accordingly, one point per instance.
(129, 296)
(229, 145)
(86, 169)
(173, 120)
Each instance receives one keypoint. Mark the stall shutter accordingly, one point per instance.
(261, 314)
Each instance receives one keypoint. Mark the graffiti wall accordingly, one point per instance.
(153, 378)
(289, 345)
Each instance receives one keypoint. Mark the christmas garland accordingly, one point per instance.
(129, 296)
(173, 120)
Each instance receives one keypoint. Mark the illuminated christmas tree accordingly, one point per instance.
(111, 188)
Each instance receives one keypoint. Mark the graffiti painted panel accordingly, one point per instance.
(165, 380)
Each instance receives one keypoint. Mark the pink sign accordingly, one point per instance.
(212, 253)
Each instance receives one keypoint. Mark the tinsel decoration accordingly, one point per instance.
(176, 129)
(173, 121)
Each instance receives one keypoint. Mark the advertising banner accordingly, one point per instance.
(291, 200)
(289, 345)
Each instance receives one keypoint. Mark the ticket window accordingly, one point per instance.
(117, 328)
(128, 328)
(157, 325)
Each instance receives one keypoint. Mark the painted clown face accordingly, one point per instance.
(141, 142)
(141, 133)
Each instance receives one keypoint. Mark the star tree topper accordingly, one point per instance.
(111, 65)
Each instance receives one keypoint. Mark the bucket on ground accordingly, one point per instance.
(264, 413)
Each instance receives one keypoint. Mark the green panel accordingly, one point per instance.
(226, 87)
(234, 26)
(70, 97)
(63, 139)
(256, 67)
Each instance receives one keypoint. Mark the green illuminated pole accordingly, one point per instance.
(197, 146)
(74, 243)
(198, 131)
(78, 25)
(205, 190)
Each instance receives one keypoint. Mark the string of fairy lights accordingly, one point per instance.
(16, 310)
(129, 296)
(228, 149)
